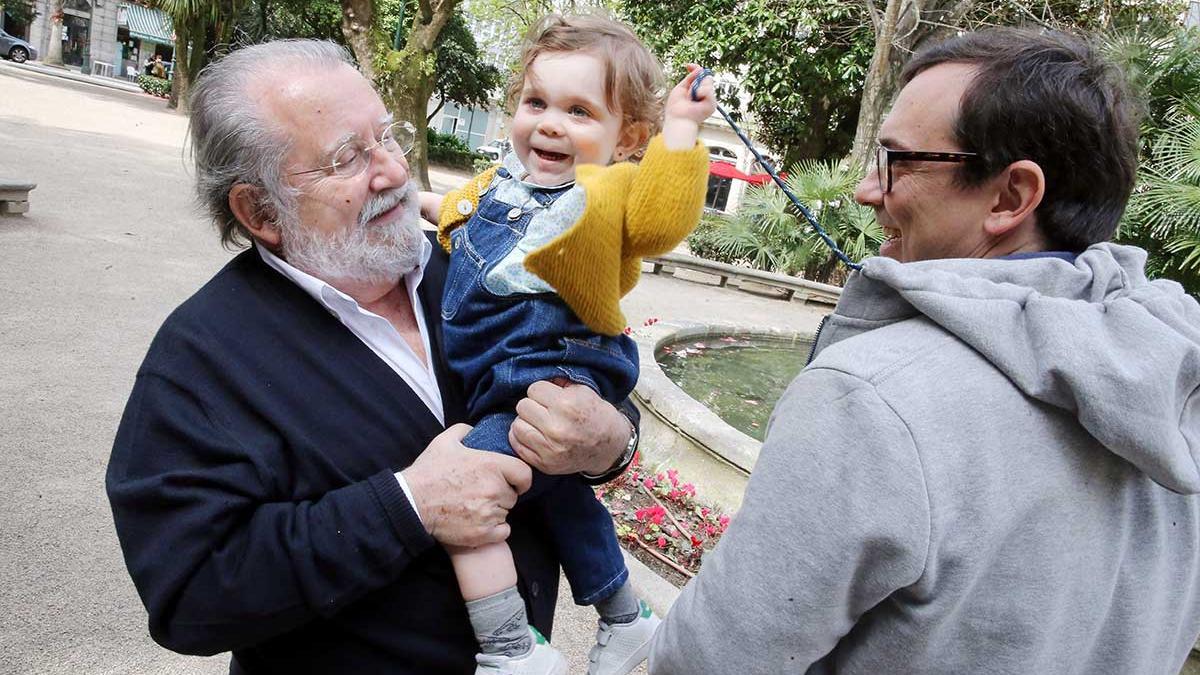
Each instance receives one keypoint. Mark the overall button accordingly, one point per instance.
(514, 213)
(465, 207)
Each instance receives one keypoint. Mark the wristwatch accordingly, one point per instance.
(626, 457)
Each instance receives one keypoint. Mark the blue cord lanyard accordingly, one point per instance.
(774, 176)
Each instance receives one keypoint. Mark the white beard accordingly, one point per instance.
(360, 253)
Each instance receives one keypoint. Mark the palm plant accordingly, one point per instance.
(201, 28)
(1163, 215)
(767, 233)
(1165, 207)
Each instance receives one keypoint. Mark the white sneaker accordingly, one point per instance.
(621, 647)
(541, 660)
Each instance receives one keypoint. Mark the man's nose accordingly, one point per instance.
(389, 170)
(867, 191)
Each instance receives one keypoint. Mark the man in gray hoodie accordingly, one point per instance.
(991, 463)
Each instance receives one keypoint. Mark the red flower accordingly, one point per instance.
(657, 513)
(696, 541)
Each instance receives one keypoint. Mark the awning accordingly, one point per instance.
(144, 23)
(727, 170)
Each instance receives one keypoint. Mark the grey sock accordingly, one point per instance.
(620, 607)
(500, 623)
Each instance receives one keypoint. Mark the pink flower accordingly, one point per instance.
(674, 494)
(689, 489)
(704, 511)
(662, 542)
(710, 530)
(657, 513)
(723, 521)
(649, 483)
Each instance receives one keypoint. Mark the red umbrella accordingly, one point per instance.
(727, 170)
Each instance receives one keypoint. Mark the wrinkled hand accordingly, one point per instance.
(462, 495)
(563, 428)
(681, 105)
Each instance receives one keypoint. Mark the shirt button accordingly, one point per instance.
(465, 207)
(533, 589)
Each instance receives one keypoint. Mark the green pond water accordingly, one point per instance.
(740, 379)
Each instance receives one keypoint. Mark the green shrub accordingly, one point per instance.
(706, 242)
(482, 164)
(155, 86)
(442, 141)
(450, 150)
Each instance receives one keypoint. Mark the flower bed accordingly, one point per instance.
(661, 522)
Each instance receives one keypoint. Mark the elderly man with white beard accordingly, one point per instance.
(288, 461)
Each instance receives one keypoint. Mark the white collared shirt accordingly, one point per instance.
(378, 333)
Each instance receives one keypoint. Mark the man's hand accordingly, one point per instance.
(462, 495)
(563, 428)
(684, 116)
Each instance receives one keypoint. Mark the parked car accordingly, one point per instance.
(496, 150)
(13, 47)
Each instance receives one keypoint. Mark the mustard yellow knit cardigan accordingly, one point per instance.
(631, 211)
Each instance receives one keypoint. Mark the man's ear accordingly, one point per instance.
(1019, 191)
(250, 207)
(633, 136)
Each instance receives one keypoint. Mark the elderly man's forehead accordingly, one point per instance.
(326, 98)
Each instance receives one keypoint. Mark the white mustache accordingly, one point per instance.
(381, 203)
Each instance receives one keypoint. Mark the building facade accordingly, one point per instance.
(119, 36)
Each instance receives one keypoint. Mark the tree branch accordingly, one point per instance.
(665, 560)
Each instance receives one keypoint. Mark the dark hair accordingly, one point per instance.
(1050, 98)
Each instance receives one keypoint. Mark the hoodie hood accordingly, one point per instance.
(1093, 337)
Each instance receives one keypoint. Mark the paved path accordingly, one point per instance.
(112, 243)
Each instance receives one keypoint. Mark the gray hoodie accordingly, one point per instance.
(991, 466)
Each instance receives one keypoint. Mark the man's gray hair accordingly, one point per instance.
(233, 142)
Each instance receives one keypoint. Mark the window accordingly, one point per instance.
(718, 192)
(716, 152)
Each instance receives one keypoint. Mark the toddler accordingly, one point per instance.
(542, 248)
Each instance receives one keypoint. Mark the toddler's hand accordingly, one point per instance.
(684, 115)
(680, 103)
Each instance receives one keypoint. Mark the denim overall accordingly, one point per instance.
(501, 344)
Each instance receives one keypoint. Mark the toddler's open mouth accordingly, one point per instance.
(550, 156)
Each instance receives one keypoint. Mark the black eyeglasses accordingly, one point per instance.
(884, 159)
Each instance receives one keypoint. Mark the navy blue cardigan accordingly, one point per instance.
(252, 488)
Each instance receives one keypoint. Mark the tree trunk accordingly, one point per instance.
(54, 49)
(904, 28)
(410, 78)
(357, 19)
(181, 79)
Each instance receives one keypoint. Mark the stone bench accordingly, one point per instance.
(806, 291)
(14, 196)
